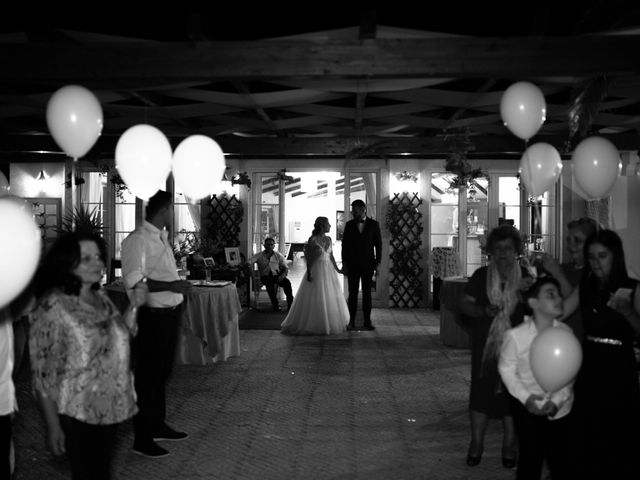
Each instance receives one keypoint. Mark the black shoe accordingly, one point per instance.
(168, 433)
(275, 308)
(509, 458)
(351, 326)
(368, 326)
(473, 460)
(151, 450)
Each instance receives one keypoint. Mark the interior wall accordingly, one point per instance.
(23, 179)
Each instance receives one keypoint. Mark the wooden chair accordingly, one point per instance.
(257, 286)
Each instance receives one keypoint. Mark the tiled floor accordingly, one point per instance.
(387, 404)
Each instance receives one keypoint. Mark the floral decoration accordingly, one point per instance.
(459, 145)
(241, 178)
(407, 176)
(282, 175)
(115, 178)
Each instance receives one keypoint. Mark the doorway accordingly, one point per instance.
(286, 205)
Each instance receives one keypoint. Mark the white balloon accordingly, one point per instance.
(555, 356)
(198, 166)
(596, 166)
(540, 168)
(4, 185)
(19, 247)
(143, 160)
(74, 118)
(523, 109)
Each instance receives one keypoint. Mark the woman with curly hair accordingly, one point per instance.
(492, 305)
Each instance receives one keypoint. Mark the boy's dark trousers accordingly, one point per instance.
(541, 439)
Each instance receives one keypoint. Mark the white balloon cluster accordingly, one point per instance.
(143, 153)
(596, 161)
(144, 160)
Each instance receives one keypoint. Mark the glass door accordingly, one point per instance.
(363, 186)
(459, 218)
(266, 218)
(288, 203)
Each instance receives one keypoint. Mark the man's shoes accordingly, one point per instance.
(368, 326)
(168, 433)
(473, 460)
(351, 326)
(276, 308)
(150, 450)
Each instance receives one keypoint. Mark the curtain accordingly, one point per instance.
(369, 180)
(125, 223)
(194, 212)
(91, 190)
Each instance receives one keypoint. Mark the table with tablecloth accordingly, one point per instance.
(443, 262)
(209, 319)
(453, 332)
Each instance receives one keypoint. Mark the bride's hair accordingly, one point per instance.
(320, 221)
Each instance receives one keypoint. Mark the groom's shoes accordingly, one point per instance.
(368, 326)
(351, 326)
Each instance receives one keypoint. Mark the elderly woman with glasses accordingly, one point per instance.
(492, 305)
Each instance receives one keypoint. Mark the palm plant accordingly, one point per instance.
(83, 220)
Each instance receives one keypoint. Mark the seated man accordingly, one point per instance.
(273, 271)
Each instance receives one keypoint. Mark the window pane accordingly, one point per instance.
(186, 215)
(509, 200)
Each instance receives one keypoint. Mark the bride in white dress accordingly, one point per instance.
(319, 307)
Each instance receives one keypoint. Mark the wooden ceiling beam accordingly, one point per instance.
(36, 148)
(462, 57)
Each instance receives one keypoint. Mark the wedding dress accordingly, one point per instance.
(319, 307)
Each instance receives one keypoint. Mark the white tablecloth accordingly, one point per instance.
(209, 323)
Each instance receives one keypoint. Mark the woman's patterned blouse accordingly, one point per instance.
(80, 358)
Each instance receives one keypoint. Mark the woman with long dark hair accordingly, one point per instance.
(80, 354)
(607, 390)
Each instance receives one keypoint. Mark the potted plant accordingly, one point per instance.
(81, 219)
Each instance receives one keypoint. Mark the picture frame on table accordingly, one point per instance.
(209, 262)
(232, 254)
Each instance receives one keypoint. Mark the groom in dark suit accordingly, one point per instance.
(361, 255)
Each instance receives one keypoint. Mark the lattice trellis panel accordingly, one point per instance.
(404, 221)
(224, 220)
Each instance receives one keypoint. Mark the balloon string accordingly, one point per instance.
(536, 217)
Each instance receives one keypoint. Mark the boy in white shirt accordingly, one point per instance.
(542, 419)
